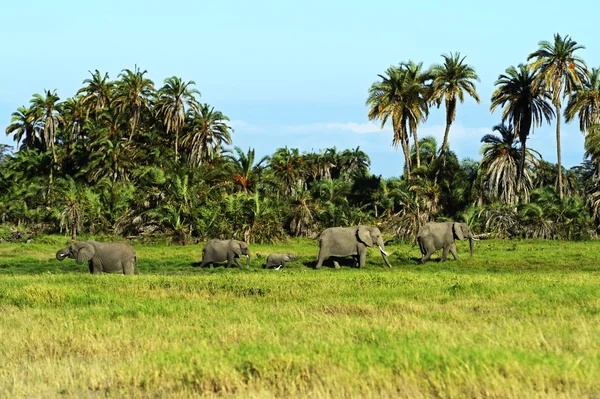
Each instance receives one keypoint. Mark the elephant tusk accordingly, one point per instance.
(278, 267)
(382, 251)
(247, 256)
(475, 239)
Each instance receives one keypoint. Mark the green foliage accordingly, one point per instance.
(124, 158)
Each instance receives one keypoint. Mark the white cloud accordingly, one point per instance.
(360, 128)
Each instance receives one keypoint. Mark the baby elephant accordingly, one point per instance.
(109, 257)
(279, 260)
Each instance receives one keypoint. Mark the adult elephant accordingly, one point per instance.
(102, 257)
(225, 250)
(349, 241)
(434, 236)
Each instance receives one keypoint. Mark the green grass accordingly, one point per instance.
(519, 319)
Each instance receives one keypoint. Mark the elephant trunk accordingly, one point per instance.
(62, 254)
(248, 260)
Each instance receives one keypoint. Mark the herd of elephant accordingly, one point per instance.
(119, 257)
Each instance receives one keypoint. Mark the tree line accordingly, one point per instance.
(129, 158)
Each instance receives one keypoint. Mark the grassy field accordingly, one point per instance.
(519, 319)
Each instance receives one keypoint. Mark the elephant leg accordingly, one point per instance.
(453, 251)
(422, 248)
(128, 268)
(320, 260)
(426, 256)
(205, 262)
(238, 262)
(229, 261)
(336, 264)
(362, 257)
(95, 267)
(282, 263)
(445, 252)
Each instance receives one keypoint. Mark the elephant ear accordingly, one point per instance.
(85, 253)
(458, 231)
(236, 247)
(364, 235)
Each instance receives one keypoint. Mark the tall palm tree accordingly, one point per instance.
(560, 72)
(24, 127)
(207, 131)
(49, 107)
(500, 164)
(385, 101)
(173, 98)
(451, 80)
(416, 99)
(97, 93)
(524, 104)
(585, 102)
(132, 96)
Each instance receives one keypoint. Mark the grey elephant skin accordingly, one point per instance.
(225, 250)
(279, 260)
(349, 241)
(102, 257)
(435, 236)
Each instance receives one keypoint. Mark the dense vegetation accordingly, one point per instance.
(519, 319)
(127, 157)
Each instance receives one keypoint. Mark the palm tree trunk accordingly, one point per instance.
(417, 151)
(133, 124)
(176, 144)
(560, 182)
(74, 230)
(521, 170)
(446, 134)
(442, 155)
(406, 152)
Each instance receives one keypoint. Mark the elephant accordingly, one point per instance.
(107, 257)
(349, 241)
(279, 260)
(225, 250)
(434, 236)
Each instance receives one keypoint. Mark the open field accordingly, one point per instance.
(519, 319)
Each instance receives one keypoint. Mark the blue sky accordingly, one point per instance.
(292, 73)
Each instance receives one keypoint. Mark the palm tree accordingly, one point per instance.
(354, 161)
(524, 104)
(415, 103)
(133, 96)
(386, 100)
(559, 71)
(451, 80)
(24, 126)
(173, 98)
(286, 165)
(206, 134)
(247, 172)
(49, 107)
(71, 215)
(97, 93)
(585, 102)
(500, 164)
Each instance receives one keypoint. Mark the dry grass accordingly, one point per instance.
(502, 324)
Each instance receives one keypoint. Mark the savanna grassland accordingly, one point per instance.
(519, 319)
